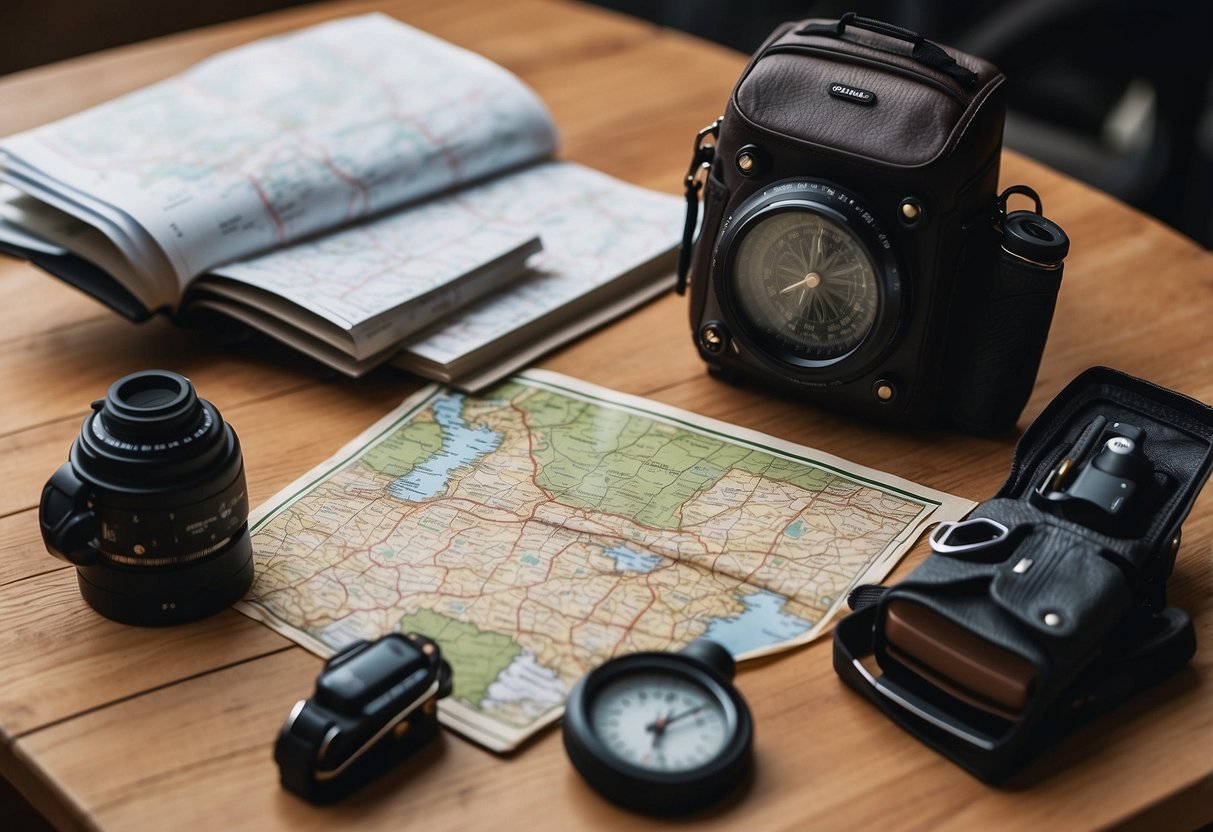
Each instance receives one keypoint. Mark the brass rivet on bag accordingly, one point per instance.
(884, 390)
(910, 212)
(1052, 619)
(750, 160)
(712, 337)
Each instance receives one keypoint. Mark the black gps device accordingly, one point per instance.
(375, 703)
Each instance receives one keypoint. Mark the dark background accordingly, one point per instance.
(1115, 93)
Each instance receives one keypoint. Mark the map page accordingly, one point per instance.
(267, 143)
(600, 237)
(593, 228)
(546, 525)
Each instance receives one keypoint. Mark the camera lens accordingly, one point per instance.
(151, 505)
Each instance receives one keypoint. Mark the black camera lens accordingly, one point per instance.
(151, 506)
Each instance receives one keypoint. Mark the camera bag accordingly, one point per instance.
(902, 139)
(945, 117)
(1082, 611)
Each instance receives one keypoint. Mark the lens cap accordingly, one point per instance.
(150, 403)
(1029, 235)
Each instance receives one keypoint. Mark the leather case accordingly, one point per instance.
(1076, 607)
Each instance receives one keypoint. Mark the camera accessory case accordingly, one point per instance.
(1048, 604)
(889, 146)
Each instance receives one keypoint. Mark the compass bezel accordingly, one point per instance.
(844, 210)
(651, 790)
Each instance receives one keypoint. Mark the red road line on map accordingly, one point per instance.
(639, 615)
(361, 187)
(325, 159)
(530, 445)
(778, 536)
(269, 207)
(452, 161)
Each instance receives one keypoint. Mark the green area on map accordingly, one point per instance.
(479, 655)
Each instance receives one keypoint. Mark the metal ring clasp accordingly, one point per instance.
(968, 535)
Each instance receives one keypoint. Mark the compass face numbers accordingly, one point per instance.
(660, 721)
(806, 284)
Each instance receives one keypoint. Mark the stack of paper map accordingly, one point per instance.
(359, 190)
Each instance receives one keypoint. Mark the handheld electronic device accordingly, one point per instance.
(375, 703)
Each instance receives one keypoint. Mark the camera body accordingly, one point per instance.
(851, 251)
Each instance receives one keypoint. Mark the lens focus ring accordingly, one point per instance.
(149, 537)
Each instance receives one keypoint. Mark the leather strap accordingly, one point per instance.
(701, 162)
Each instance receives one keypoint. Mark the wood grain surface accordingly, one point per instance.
(106, 726)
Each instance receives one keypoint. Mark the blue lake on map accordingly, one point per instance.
(461, 446)
(629, 560)
(762, 623)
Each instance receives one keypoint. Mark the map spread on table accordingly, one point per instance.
(546, 525)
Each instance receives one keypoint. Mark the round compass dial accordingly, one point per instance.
(660, 721)
(806, 282)
(661, 732)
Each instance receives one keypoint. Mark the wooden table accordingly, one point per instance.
(118, 727)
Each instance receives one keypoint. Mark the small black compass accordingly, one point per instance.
(662, 733)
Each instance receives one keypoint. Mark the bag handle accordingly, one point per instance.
(924, 52)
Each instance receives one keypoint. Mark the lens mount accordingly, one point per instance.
(150, 426)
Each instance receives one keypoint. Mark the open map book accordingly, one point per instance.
(342, 188)
(545, 525)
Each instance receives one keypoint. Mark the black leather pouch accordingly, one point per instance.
(1048, 603)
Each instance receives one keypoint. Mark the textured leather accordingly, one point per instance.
(1086, 608)
(1090, 581)
(1070, 577)
(918, 114)
(998, 343)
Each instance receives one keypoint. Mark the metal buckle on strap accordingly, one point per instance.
(701, 155)
(701, 163)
